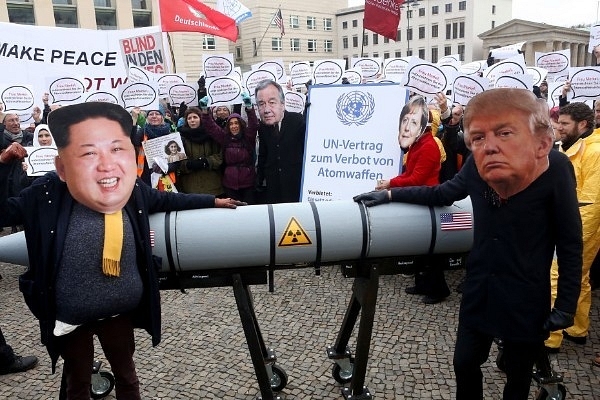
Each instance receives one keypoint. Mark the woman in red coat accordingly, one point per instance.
(421, 168)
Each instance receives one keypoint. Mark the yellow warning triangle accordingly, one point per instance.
(294, 235)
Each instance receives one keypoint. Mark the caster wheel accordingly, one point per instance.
(543, 394)
(102, 384)
(340, 375)
(279, 379)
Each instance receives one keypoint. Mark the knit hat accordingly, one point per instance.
(239, 117)
(161, 109)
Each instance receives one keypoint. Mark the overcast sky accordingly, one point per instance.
(553, 12)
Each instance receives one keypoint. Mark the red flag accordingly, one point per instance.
(194, 16)
(382, 17)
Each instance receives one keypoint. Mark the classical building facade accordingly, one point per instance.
(540, 38)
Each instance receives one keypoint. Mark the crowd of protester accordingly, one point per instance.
(254, 153)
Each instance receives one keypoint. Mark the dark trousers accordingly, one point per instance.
(431, 280)
(472, 350)
(7, 357)
(117, 340)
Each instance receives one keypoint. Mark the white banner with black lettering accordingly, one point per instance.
(351, 139)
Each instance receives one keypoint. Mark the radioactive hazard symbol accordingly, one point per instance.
(294, 235)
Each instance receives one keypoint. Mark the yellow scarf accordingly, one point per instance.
(113, 244)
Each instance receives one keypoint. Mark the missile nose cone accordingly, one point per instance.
(13, 249)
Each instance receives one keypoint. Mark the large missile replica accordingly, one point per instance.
(221, 247)
(284, 235)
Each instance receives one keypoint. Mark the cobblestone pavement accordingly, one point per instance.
(203, 354)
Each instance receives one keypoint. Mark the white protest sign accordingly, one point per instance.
(516, 81)
(295, 102)
(370, 67)
(165, 81)
(554, 92)
(18, 99)
(272, 65)
(217, 65)
(103, 96)
(328, 72)
(511, 66)
(144, 51)
(32, 53)
(139, 94)
(353, 75)
(300, 72)
(252, 78)
(465, 87)
(223, 90)
(507, 51)
(157, 148)
(426, 78)
(556, 63)
(585, 83)
(184, 93)
(65, 90)
(40, 160)
(473, 68)
(538, 74)
(346, 153)
(594, 38)
(136, 74)
(395, 68)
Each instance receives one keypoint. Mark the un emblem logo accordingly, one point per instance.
(355, 108)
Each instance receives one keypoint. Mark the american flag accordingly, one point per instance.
(278, 19)
(456, 221)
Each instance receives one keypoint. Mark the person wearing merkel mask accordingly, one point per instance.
(423, 157)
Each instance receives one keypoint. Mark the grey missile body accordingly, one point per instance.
(293, 233)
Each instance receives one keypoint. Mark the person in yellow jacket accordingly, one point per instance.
(575, 130)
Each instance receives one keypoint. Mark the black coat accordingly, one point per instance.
(44, 209)
(507, 287)
(280, 158)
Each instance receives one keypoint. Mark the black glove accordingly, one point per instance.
(558, 320)
(198, 164)
(182, 109)
(373, 198)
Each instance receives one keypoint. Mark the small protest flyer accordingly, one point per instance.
(40, 160)
(167, 148)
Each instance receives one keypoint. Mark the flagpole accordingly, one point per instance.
(172, 53)
(266, 30)
(362, 42)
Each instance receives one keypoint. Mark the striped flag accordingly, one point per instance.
(456, 221)
(278, 19)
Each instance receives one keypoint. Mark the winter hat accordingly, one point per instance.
(239, 117)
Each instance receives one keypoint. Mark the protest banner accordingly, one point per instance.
(538, 74)
(594, 38)
(32, 53)
(300, 73)
(426, 78)
(511, 66)
(223, 90)
(272, 65)
(139, 94)
(348, 152)
(217, 65)
(354, 76)
(473, 68)
(295, 102)
(145, 51)
(585, 83)
(556, 63)
(370, 67)
(465, 87)
(328, 72)
(395, 68)
(18, 99)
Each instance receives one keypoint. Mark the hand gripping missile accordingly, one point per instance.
(295, 233)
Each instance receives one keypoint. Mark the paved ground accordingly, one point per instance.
(203, 354)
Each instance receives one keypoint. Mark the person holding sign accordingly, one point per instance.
(281, 145)
(201, 172)
(524, 208)
(422, 167)
(91, 269)
(238, 140)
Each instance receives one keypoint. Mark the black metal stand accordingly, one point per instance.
(271, 378)
(364, 297)
(262, 358)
